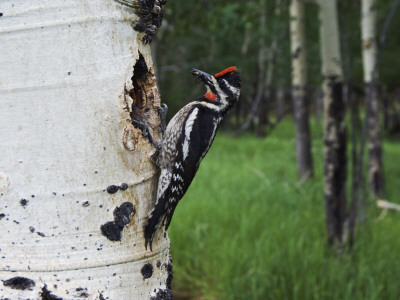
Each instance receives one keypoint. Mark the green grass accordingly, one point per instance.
(247, 229)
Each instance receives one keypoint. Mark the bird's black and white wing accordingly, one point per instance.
(179, 161)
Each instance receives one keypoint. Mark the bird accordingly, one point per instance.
(185, 142)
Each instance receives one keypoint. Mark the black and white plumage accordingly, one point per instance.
(186, 141)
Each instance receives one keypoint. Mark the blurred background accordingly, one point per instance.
(264, 219)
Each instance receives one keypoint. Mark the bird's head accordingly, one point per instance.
(223, 87)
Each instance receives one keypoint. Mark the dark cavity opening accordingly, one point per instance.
(138, 93)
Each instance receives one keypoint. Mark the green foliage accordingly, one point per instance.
(213, 35)
(389, 62)
(247, 229)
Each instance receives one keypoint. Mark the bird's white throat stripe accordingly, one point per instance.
(188, 130)
(221, 94)
(234, 90)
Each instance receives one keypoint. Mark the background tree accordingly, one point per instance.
(299, 82)
(369, 54)
(76, 183)
(335, 140)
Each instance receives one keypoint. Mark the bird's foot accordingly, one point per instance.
(162, 112)
(145, 131)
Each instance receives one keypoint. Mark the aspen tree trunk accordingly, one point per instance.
(335, 160)
(369, 50)
(75, 180)
(299, 81)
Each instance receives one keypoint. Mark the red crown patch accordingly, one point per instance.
(222, 73)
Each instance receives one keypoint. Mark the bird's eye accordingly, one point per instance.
(232, 73)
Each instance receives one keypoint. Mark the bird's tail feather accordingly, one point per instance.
(154, 221)
(168, 216)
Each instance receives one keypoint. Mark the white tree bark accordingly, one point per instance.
(297, 43)
(299, 81)
(329, 35)
(368, 36)
(66, 136)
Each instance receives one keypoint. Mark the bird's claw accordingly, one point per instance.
(162, 112)
(145, 131)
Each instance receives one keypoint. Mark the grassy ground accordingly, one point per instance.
(247, 229)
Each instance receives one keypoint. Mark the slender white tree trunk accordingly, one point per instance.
(299, 81)
(335, 159)
(369, 50)
(75, 181)
(368, 21)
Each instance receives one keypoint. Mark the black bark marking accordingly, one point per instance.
(47, 295)
(113, 229)
(2, 216)
(23, 202)
(86, 204)
(150, 17)
(297, 52)
(163, 295)
(124, 186)
(19, 283)
(122, 213)
(112, 189)
(147, 270)
(170, 274)
(335, 165)
(83, 292)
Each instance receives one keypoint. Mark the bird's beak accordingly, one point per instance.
(203, 77)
